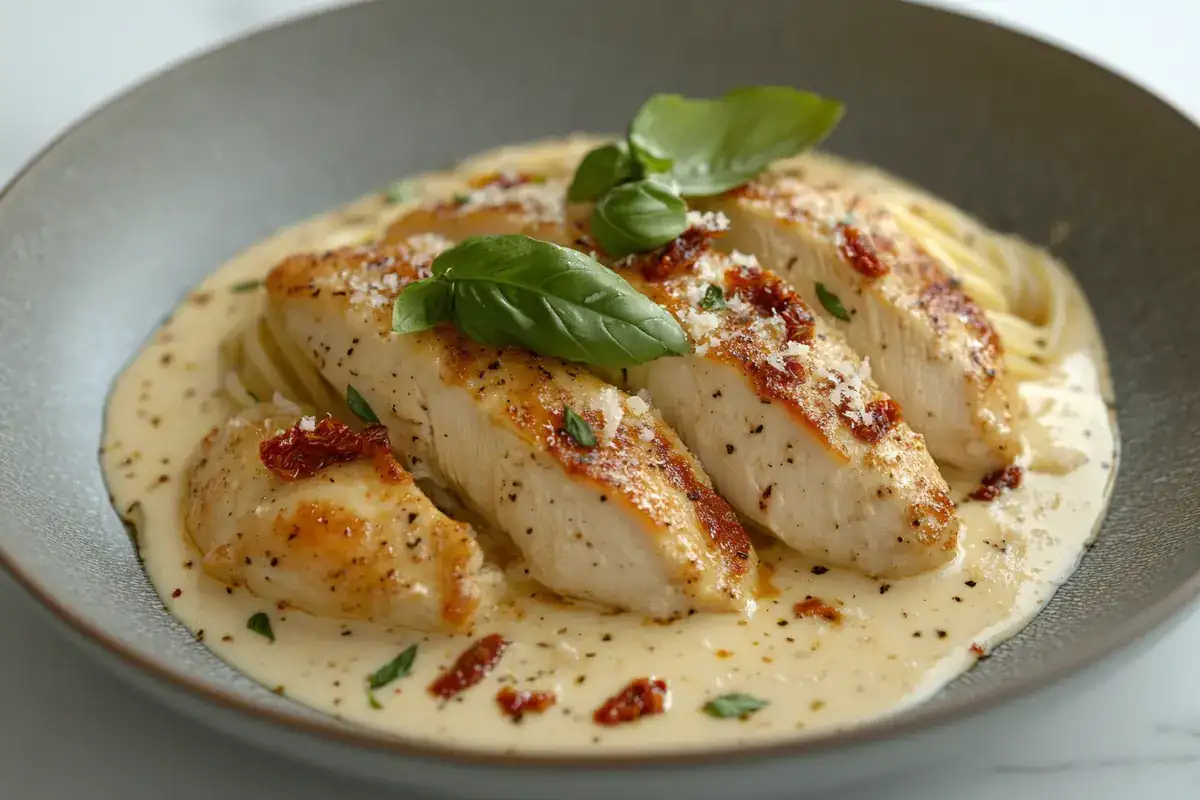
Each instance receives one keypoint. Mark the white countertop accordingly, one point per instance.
(68, 729)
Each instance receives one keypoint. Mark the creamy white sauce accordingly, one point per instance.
(899, 640)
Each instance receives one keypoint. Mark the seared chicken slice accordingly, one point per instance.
(351, 540)
(931, 347)
(782, 413)
(630, 522)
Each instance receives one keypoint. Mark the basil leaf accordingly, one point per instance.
(461, 199)
(734, 705)
(601, 170)
(260, 623)
(398, 667)
(832, 303)
(402, 191)
(578, 428)
(554, 301)
(715, 145)
(359, 406)
(246, 286)
(636, 217)
(421, 305)
(714, 297)
(650, 162)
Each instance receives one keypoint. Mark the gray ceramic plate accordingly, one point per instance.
(106, 229)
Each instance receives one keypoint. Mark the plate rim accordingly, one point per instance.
(914, 720)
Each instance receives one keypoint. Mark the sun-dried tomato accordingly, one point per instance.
(516, 703)
(996, 483)
(642, 697)
(298, 453)
(471, 667)
(771, 296)
(884, 414)
(680, 255)
(815, 607)
(859, 251)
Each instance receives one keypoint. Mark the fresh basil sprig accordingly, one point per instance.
(715, 145)
(636, 217)
(603, 168)
(514, 290)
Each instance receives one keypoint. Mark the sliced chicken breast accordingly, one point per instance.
(630, 522)
(782, 413)
(350, 540)
(931, 347)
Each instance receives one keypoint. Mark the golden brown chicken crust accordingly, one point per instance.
(665, 276)
(303, 548)
(905, 275)
(533, 391)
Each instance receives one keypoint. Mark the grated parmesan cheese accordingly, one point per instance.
(608, 403)
(541, 202)
(646, 433)
(743, 259)
(738, 306)
(426, 246)
(710, 267)
(708, 220)
(700, 324)
(636, 405)
(308, 424)
(849, 389)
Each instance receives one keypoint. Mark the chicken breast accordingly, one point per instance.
(630, 522)
(781, 412)
(930, 345)
(349, 540)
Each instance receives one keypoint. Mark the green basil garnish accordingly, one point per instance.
(638, 216)
(602, 169)
(260, 623)
(373, 701)
(714, 145)
(714, 297)
(578, 428)
(401, 191)
(734, 705)
(551, 300)
(832, 303)
(426, 303)
(360, 407)
(398, 667)
(246, 286)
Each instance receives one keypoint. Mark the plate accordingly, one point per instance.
(105, 230)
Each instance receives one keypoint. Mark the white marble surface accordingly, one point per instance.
(66, 729)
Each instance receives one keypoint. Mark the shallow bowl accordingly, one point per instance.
(110, 225)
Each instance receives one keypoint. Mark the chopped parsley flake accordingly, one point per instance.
(360, 407)
(832, 303)
(246, 286)
(578, 428)
(713, 298)
(398, 667)
(734, 705)
(260, 623)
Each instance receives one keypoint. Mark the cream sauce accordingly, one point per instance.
(898, 641)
